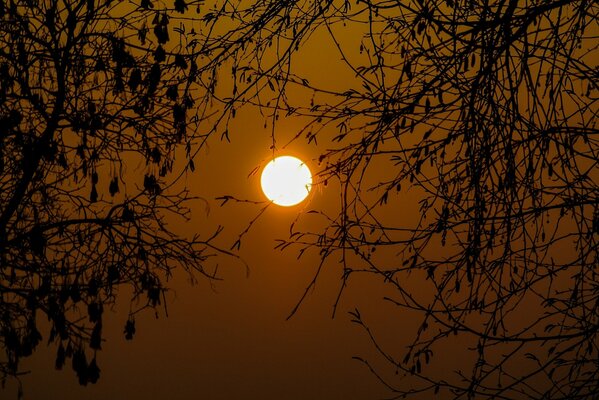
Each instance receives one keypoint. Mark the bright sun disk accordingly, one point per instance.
(286, 181)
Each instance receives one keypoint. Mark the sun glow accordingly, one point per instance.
(286, 181)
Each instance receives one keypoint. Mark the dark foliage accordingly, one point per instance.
(485, 112)
(86, 94)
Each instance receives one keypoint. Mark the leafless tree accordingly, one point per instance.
(96, 101)
(485, 112)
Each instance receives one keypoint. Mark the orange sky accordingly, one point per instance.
(231, 339)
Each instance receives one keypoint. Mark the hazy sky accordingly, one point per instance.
(230, 339)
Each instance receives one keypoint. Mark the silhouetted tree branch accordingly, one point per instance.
(485, 112)
(89, 90)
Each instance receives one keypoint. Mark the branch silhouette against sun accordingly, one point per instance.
(97, 99)
(485, 112)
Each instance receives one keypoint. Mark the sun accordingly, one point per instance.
(286, 181)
